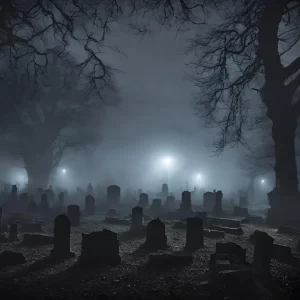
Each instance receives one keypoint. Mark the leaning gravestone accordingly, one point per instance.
(113, 195)
(136, 218)
(143, 200)
(13, 232)
(90, 205)
(62, 233)
(194, 234)
(208, 201)
(218, 203)
(74, 214)
(262, 254)
(100, 247)
(156, 235)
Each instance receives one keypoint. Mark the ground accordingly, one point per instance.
(132, 278)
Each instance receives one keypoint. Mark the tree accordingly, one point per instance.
(57, 115)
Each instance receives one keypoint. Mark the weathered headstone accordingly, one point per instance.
(218, 203)
(44, 205)
(186, 205)
(113, 195)
(156, 208)
(62, 233)
(74, 214)
(164, 191)
(156, 235)
(13, 232)
(143, 200)
(208, 201)
(262, 254)
(100, 247)
(194, 234)
(90, 205)
(136, 218)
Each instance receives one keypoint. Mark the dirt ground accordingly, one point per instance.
(41, 279)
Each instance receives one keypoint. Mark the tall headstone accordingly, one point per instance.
(194, 234)
(164, 191)
(113, 195)
(143, 200)
(262, 254)
(62, 233)
(218, 203)
(100, 247)
(90, 206)
(156, 235)
(74, 214)
(208, 201)
(186, 204)
(136, 218)
(44, 205)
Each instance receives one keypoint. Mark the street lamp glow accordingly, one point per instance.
(262, 181)
(64, 171)
(199, 176)
(167, 161)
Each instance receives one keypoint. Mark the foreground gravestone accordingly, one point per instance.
(143, 200)
(208, 201)
(90, 206)
(113, 195)
(218, 203)
(100, 247)
(61, 241)
(262, 254)
(74, 214)
(194, 234)
(13, 232)
(136, 218)
(156, 235)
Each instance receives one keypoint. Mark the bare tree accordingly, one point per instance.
(53, 117)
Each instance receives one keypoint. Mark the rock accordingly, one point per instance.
(235, 231)
(213, 233)
(37, 239)
(31, 227)
(11, 258)
(234, 251)
(169, 260)
(288, 230)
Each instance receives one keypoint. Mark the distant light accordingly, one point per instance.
(262, 181)
(64, 171)
(168, 161)
(199, 176)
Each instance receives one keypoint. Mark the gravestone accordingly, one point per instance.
(170, 202)
(44, 205)
(208, 201)
(62, 233)
(74, 214)
(100, 247)
(90, 189)
(143, 200)
(155, 208)
(218, 203)
(136, 218)
(234, 251)
(194, 234)
(156, 235)
(262, 254)
(186, 205)
(50, 195)
(113, 195)
(164, 191)
(90, 206)
(13, 232)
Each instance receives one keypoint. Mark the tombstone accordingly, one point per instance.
(113, 195)
(194, 234)
(13, 232)
(156, 207)
(156, 235)
(62, 233)
(218, 203)
(90, 206)
(32, 206)
(74, 214)
(208, 201)
(186, 204)
(164, 191)
(100, 247)
(13, 199)
(136, 218)
(234, 251)
(143, 200)
(170, 202)
(262, 254)
(50, 195)
(44, 205)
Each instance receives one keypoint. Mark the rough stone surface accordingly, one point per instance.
(194, 234)
(156, 235)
